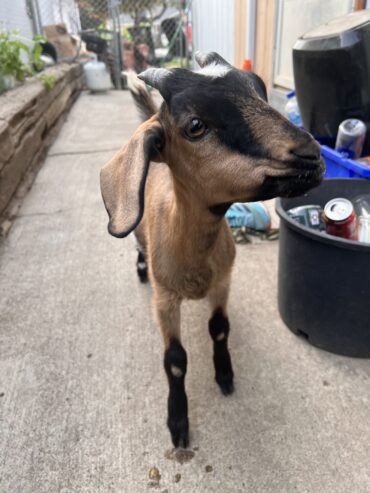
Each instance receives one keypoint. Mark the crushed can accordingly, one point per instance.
(362, 209)
(351, 137)
(309, 216)
(364, 160)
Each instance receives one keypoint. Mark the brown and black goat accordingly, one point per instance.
(214, 141)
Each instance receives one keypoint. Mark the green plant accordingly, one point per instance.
(35, 54)
(48, 81)
(2, 84)
(10, 56)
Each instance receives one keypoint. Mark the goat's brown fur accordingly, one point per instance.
(189, 248)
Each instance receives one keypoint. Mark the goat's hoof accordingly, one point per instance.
(143, 275)
(179, 430)
(225, 382)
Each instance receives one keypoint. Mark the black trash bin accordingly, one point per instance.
(324, 281)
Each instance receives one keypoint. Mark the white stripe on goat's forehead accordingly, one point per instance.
(214, 69)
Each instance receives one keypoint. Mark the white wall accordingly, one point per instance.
(60, 12)
(213, 27)
(13, 15)
(294, 18)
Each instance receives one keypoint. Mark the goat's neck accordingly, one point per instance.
(196, 228)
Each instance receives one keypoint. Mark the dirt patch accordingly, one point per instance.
(179, 455)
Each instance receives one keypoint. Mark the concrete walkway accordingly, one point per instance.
(82, 389)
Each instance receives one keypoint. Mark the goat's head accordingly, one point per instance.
(221, 139)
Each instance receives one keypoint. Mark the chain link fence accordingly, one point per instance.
(156, 33)
(125, 34)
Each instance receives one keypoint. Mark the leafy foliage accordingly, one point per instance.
(35, 53)
(138, 8)
(93, 13)
(48, 81)
(13, 64)
(10, 56)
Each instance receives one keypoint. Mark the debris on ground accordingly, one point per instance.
(248, 235)
(155, 477)
(179, 455)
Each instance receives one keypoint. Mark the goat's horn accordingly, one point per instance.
(154, 76)
(205, 59)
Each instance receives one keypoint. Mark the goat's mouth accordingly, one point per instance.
(295, 181)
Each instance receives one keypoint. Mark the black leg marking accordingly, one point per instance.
(142, 269)
(175, 362)
(219, 329)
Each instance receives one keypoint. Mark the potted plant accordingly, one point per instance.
(12, 68)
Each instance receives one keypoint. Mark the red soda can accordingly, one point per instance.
(340, 219)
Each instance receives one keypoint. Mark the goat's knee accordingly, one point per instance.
(219, 329)
(175, 364)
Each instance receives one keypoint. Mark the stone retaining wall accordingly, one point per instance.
(29, 117)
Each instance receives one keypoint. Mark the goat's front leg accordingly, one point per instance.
(219, 329)
(167, 307)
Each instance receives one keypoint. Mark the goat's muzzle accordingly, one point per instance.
(304, 170)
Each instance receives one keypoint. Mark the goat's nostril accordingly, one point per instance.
(310, 151)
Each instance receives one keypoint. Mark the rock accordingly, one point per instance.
(28, 123)
(12, 172)
(154, 474)
(177, 478)
(58, 106)
(6, 143)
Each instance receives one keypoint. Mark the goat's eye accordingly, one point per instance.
(196, 128)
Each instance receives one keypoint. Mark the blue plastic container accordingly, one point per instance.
(338, 166)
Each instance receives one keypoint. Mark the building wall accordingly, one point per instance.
(294, 19)
(60, 12)
(213, 27)
(14, 15)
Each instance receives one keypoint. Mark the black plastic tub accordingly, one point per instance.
(324, 281)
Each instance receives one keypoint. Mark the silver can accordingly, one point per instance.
(364, 229)
(350, 138)
(362, 208)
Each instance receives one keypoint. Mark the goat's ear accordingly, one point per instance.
(122, 179)
(258, 84)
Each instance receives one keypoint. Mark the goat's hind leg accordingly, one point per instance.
(167, 307)
(219, 329)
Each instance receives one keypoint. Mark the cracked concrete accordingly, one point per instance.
(82, 387)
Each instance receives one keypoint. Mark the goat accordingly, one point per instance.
(214, 141)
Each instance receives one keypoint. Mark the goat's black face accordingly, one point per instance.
(232, 139)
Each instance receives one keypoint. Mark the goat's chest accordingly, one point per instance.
(188, 281)
(194, 283)
(189, 272)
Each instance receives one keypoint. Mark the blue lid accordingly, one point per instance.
(290, 94)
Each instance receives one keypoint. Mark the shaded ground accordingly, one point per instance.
(83, 393)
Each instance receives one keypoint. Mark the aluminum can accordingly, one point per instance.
(340, 219)
(350, 138)
(364, 160)
(362, 209)
(308, 215)
(364, 229)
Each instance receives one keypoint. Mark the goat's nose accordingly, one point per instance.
(308, 151)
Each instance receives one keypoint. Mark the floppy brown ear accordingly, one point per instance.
(122, 179)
